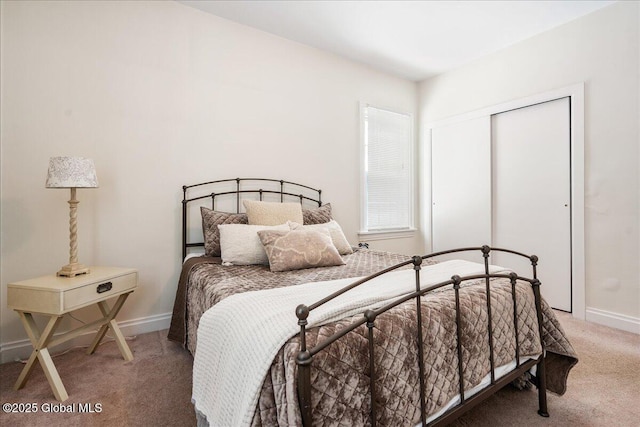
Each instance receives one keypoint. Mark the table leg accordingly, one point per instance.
(111, 323)
(52, 375)
(40, 351)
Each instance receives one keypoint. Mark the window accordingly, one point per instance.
(387, 181)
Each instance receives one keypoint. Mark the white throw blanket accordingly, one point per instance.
(239, 337)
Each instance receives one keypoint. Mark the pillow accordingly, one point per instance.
(210, 221)
(298, 249)
(272, 213)
(318, 215)
(335, 231)
(240, 244)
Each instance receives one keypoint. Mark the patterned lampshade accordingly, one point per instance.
(71, 172)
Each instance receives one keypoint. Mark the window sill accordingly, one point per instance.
(385, 235)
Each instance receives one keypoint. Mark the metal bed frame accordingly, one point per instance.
(305, 356)
(285, 191)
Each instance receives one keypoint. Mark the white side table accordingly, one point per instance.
(54, 297)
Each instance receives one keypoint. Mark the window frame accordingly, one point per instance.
(391, 233)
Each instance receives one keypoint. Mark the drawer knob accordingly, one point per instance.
(105, 287)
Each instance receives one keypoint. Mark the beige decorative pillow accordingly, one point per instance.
(272, 213)
(335, 231)
(298, 249)
(240, 244)
(319, 215)
(210, 221)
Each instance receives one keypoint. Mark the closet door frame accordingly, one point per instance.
(576, 94)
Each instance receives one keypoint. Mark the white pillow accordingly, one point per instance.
(272, 213)
(240, 244)
(335, 231)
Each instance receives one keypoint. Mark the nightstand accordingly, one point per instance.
(54, 297)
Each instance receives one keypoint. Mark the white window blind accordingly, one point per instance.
(388, 201)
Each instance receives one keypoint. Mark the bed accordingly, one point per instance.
(303, 347)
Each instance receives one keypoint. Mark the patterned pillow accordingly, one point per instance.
(272, 213)
(210, 221)
(240, 244)
(318, 215)
(335, 231)
(298, 249)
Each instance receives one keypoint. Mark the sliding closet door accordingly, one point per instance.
(461, 185)
(531, 175)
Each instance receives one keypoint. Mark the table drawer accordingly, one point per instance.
(98, 291)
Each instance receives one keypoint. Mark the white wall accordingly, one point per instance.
(161, 95)
(601, 49)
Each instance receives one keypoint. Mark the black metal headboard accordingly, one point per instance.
(225, 188)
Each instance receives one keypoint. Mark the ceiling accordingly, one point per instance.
(410, 39)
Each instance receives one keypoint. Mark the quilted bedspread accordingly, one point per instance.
(205, 282)
(340, 380)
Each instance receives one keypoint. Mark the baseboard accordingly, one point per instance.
(21, 349)
(613, 320)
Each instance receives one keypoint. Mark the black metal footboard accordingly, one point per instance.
(305, 356)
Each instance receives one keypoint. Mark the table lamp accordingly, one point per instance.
(72, 172)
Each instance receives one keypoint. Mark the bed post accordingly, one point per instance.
(540, 371)
(370, 315)
(513, 277)
(304, 368)
(417, 261)
(456, 287)
(184, 222)
(281, 191)
(237, 195)
(485, 253)
(534, 264)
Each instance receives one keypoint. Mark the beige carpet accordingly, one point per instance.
(155, 388)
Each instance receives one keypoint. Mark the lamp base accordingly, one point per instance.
(72, 270)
